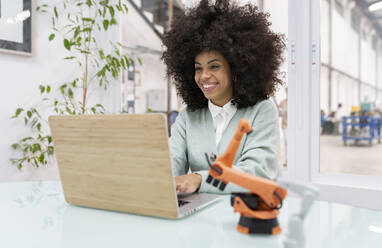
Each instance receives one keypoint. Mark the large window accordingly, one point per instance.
(350, 85)
(335, 100)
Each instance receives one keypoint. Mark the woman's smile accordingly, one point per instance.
(209, 86)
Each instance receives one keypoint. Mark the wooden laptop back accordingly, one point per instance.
(116, 162)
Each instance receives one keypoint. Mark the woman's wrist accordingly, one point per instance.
(200, 182)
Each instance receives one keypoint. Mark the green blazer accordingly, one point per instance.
(193, 134)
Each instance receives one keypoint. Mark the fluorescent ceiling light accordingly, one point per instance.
(376, 229)
(375, 6)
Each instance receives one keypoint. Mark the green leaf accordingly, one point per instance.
(89, 3)
(125, 7)
(115, 62)
(42, 88)
(101, 54)
(105, 24)
(87, 19)
(84, 52)
(62, 89)
(18, 112)
(26, 120)
(49, 139)
(77, 31)
(113, 21)
(67, 44)
(140, 61)
(42, 157)
(29, 114)
(112, 12)
(71, 57)
(70, 93)
(55, 12)
(68, 110)
(51, 37)
(50, 150)
(26, 139)
(15, 146)
(55, 103)
(86, 30)
(35, 162)
(48, 88)
(127, 61)
(104, 2)
(114, 73)
(39, 127)
(100, 106)
(34, 122)
(74, 83)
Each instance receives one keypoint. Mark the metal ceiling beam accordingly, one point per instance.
(374, 21)
(145, 19)
(373, 2)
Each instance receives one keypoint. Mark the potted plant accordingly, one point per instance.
(77, 23)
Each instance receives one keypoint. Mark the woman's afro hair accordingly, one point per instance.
(241, 34)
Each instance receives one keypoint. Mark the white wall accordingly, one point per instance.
(20, 77)
(367, 62)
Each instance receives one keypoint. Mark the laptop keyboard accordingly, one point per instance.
(182, 203)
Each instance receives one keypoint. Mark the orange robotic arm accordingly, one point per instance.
(269, 195)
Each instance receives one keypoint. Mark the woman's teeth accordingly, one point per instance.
(206, 86)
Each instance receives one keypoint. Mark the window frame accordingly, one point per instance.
(304, 115)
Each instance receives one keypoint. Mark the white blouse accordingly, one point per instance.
(221, 116)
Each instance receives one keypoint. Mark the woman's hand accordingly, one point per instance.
(188, 183)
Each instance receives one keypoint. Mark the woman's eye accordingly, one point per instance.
(198, 68)
(213, 67)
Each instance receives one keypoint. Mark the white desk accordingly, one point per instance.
(35, 215)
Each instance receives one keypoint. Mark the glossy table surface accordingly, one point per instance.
(35, 214)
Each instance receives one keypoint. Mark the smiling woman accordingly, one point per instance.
(225, 62)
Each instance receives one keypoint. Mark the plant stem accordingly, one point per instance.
(85, 84)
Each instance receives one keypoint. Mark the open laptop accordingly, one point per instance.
(120, 163)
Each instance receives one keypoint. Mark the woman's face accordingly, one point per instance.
(213, 76)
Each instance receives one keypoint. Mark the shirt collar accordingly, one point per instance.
(215, 110)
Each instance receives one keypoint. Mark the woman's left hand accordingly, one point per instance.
(188, 183)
